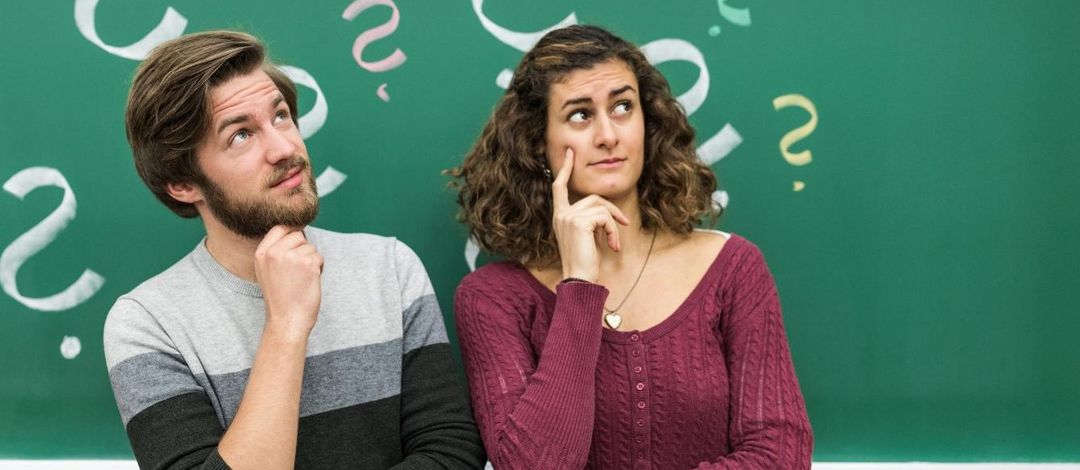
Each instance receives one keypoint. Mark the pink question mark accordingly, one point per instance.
(367, 37)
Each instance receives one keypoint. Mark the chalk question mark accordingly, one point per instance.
(737, 16)
(522, 41)
(367, 37)
(797, 134)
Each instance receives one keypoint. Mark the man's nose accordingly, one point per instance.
(279, 145)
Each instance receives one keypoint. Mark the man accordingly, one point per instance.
(272, 344)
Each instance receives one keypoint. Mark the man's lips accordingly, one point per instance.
(291, 179)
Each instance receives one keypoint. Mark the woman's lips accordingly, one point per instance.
(608, 163)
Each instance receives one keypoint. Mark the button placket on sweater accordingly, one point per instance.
(640, 410)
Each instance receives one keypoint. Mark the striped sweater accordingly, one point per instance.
(380, 389)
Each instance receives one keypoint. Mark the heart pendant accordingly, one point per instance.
(613, 320)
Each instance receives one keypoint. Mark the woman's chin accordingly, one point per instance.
(611, 192)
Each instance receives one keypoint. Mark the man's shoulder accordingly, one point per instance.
(134, 320)
(364, 250)
(329, 241)
(176, 278)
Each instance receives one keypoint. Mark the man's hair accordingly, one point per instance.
(504, 194)
(169, 108)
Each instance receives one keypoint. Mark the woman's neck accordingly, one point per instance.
(634, 240)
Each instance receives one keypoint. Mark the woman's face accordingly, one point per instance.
(597, 113)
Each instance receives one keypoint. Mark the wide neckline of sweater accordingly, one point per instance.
(675, 318)
(217, 273)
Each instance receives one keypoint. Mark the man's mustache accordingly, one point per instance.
(283, 168)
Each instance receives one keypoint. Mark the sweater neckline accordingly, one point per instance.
(675, 318)
(217, 273)
(221, 276)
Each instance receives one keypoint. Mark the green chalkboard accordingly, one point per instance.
(925, 249)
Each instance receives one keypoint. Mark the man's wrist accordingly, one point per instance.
(281, 331)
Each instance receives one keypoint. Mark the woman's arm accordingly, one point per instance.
(534, 408)
(768, 427)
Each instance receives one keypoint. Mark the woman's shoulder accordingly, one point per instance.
(500, 292)
(724, 242)
(733, 256)
(494, 278)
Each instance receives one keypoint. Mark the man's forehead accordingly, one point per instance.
(256, 85)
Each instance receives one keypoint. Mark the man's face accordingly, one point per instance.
(255, 165)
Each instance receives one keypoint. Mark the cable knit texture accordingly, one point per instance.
(711, 387)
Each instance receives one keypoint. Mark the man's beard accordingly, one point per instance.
(252, 218)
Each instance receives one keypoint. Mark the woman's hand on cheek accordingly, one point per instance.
(577, 225)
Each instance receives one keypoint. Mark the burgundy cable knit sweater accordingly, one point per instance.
(710, 387)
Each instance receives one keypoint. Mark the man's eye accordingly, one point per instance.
(240, 137)
(281, 116)
(579, 116)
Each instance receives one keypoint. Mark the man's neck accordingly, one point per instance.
(234, 252)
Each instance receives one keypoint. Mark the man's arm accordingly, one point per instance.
(168, 416)
(263, 434)
(437, 425)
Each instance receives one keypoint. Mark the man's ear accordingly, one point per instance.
(184, 192)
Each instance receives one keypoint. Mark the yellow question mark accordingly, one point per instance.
(789, 139)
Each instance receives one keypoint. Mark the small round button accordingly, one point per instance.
(636, 353)
(641, 405)
(637, 369)
(639, 440)
(640, 422)
(640, 386)
(634, 337)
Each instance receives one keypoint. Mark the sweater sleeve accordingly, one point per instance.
(535, 409)
(168, 417)
(437, 426)
(768, 426)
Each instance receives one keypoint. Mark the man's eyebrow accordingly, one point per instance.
(615, 92)
(245, 117)
(233, 120)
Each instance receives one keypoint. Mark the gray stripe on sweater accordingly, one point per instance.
(333, 380)
(145, 379)
(423, 323)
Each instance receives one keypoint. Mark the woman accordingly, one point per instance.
(618, 336)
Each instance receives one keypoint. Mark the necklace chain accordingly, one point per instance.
(631, 291)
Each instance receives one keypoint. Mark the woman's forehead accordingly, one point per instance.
(598, 80)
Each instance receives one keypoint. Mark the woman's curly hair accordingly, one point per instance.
(504, 194)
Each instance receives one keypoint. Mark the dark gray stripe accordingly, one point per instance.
(142, 380)
(178, 432)
(333, 380)
(435, 415)
(423, 323)
(360, 436)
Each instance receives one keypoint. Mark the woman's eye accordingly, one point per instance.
(622, 108)
(579, 116)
